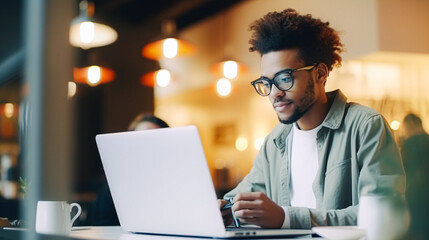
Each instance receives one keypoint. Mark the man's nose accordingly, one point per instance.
(275, 92)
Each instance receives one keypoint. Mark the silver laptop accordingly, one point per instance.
(161, 184)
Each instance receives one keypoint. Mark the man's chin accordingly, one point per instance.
(285, 120)
(288, 120)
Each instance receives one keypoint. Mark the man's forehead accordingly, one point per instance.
(274, 61)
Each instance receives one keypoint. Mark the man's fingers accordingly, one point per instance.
(248, 213)
(256, 204)
(248, 196)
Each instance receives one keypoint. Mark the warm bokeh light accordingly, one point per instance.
(86, 33)
(230, 69)
(86, 30)
(94, 75)
(9, 109)
(395, 125)
(241, 143)
(72, 88)
(163, 77)
(91, 34)
(170, 47)
(258, 143)
(223, 87)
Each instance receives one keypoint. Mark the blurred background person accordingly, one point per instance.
(103, 212)
(146, 121)
(415, 155)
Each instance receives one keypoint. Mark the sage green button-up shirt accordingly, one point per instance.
(357, 155)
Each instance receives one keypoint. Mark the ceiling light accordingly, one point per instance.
(241, 144)
(9, 110)
(168, 47)
(258, 143)
(228, 69)
(223, 87)
(93, 75)
(160, 77)
(87, 33)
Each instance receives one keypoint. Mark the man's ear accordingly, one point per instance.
(322, 73)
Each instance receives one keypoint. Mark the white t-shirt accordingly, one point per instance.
(304, 163)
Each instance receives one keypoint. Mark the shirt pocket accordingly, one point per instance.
(338, 168)
(338, 185)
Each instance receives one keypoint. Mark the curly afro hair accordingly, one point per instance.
(315, 40)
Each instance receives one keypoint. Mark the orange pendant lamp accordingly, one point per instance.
(228, 69)
(160, 77)
(93, 75)
(168, 47)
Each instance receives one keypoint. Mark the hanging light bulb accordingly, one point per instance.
(169, 47)
(87, 33)
(163, 77)
(160, 77)
(9, 110)
(228, 69)
(93, 75)
(223, 87)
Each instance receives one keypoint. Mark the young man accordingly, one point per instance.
(326, 152)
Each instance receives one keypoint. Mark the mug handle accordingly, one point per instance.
(79, 211)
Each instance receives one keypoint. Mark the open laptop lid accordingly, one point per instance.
(160, 181)
(161, 184)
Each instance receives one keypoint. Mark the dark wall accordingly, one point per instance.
(11, 28)
(11, 40)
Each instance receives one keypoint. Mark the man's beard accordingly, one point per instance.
(306, 102)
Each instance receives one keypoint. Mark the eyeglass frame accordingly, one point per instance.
(286, 70)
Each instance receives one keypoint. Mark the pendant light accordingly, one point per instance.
(169, 47)
(161, 77)
(93, 75)
(229, 69)
(87, 33)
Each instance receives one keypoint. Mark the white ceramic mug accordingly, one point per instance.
(53, 217)
(383, 217)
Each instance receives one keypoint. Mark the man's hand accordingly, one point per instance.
(256, 208)
(226, 214)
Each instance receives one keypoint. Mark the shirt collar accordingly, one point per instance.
(336, 112)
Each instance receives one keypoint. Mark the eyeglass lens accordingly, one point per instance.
(282, 81)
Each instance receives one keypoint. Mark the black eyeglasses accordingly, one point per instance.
(283, 80)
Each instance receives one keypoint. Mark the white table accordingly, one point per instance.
(107, 233)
